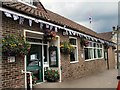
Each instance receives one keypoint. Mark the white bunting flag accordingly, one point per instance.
(51, 27)
(41, 25)
(21, 20)
(36, 21)
(47, 26)
(56, 29)
(15, 17)
(30, 22)
(70, 32)
(8, 14)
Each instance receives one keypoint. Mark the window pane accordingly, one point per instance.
(99, 53)
(88, 53)
(72, 41)
(94, 44)
(72, 56)
(100, 45)
(95, 54)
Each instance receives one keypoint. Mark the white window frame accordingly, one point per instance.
(92, 47)
(31, 5)
(76, 54)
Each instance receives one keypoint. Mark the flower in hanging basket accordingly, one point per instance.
(49, 35)
(14, 45)
(66, 47)
(84, 42)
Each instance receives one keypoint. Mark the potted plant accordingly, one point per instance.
(13, 45)
(66, 47)
(51, 75)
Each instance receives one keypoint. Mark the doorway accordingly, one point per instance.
(34, 62)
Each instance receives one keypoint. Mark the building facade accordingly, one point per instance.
(90, 54)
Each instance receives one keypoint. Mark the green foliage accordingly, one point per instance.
(52, 75)
(66, 47)
(14, 45)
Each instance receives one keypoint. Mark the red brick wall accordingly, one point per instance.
(71, 71)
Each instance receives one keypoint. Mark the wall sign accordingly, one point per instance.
(53, 56)
(11, 59)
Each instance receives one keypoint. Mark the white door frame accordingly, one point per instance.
(25, 60)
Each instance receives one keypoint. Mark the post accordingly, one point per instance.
(117, 47)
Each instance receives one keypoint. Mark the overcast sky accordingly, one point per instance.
(104, 14)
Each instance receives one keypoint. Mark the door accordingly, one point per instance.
(34, 62)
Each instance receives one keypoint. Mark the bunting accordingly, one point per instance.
(30, 22)
(51, 26)
(8, 14)
(21, 20)
(15, 17)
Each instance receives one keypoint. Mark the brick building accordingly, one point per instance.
(31, 20)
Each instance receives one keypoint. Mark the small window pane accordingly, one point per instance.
(95, 53)
(72, 41)
(94, 44)
(99, 53)
(88, 53)
(100, 45)
(73, 55)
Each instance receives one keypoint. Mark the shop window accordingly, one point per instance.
(93, 51)
(74, 53)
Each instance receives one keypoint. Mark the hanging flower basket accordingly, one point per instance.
(66, 47)
(49, 35)
(84, 42)
(14, 45)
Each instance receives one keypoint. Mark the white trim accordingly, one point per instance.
(94, 59)
(33, 31)
(59, 59)
(27, 4)
(25, 71)
(74, 62)
(76, 46)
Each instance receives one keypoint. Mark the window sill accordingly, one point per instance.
(93, 59)
(74, 62)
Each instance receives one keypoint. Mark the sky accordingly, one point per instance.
(104, 13)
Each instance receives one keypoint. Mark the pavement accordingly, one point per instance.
(106, 79)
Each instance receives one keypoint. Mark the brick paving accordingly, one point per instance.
(106, 79)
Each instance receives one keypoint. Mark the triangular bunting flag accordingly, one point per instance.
(15, 17)
(21, 20)
(30, 22)
(36, 21)
(51, 27)
(7, 14)
(47, 26)
(41, 25)
(56, 29)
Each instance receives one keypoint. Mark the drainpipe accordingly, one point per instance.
(117, 32)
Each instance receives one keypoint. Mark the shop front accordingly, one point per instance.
(43, 55)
